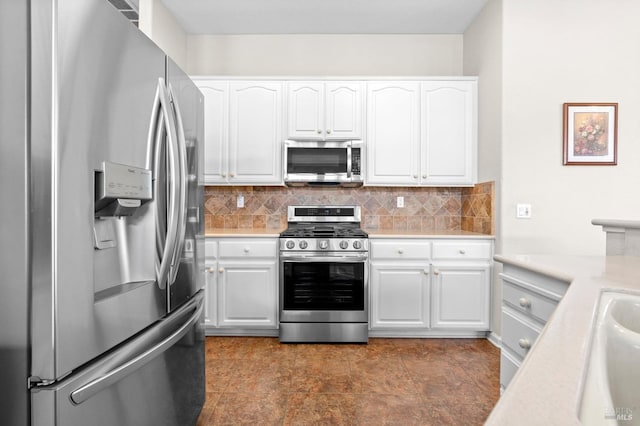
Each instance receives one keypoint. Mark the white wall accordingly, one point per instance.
(325, 55)
(483, 57)
(556, 52)
(161, 27)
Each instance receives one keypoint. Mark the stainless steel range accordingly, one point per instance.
(324, 288)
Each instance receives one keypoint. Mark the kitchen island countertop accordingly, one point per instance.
(547, 387)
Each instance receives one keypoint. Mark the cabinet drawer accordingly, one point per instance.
(461, 250)
(508, 367)
(400, 249)
(210, 248)
(527, 301)
(518, 334)
(247, 249)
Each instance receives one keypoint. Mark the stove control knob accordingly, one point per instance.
(344, 244)
(357, 245)
(290, 244)
(303, 244)
(324, 244)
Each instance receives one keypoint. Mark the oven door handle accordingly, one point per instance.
(314, 258)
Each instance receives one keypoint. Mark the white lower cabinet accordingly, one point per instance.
(528, 301)
(242, 286)
(430, 287)
(461, 296)
(400, 295)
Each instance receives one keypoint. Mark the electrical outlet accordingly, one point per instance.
(523, 211)
(400, 202)
(240, 201)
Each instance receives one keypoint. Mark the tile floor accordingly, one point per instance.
(259, 381)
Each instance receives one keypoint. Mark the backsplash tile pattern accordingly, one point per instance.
(478, 208)
(426, 209)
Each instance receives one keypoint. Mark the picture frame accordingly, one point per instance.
(590, 134)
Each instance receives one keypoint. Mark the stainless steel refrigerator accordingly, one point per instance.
(101, 220)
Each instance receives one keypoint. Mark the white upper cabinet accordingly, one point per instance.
(243, 132)
(448, 132)
(325, 110)
(255, 132)
(422, 133)
(216, 130)
(393, 133)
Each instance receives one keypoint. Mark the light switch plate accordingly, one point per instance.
(523, 211)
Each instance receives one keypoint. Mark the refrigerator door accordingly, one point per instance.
(14, 219)
(95, 114)
(156, 379)
(187, 276)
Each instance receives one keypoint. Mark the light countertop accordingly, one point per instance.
(546, 389)
(373, 233)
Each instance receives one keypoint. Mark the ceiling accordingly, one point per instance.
(325, 16)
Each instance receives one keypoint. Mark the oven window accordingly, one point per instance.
(317, 160)
(330, 286)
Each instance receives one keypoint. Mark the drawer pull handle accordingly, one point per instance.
(524, 343)
(246, 249)
(524, 302)
(400, 251)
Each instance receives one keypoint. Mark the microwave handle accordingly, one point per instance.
(349, 162)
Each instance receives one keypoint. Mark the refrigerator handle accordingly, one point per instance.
(182, 204)
(166, 252)
(145, 355)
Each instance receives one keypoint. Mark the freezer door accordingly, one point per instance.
(95, 114)
(156, 379)
(188, 104)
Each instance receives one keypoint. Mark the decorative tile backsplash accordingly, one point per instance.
(425, 209)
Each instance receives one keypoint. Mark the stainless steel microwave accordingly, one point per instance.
(323, 163)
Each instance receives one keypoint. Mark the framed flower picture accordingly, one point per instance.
(590, 132)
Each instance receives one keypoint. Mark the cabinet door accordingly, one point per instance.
(343, 112)
(210, 299)
(461, 297)
(399, 296)
(393, 133)
(306, 110)
(216, 130)
(448, 134)
(247, 294)
(255, 132)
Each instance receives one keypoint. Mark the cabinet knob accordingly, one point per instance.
(524, 302)
(223, 174)
(424, 176)
(231, 174)
(319, 131)
(462, 251)
(524, 343)
(247, 249)
(415, 176)
(400, 251)
(328, 131)
(436, 272)
(425, 271)
(221, 270)
(210, 269)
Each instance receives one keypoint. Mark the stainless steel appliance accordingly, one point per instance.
(324, 289)
(323, 163)
(102, 227)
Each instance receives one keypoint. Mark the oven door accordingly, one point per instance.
(322, 288)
